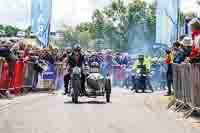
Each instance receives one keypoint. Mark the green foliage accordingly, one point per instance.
(9, 30)
(87, 27)
(111, 24)
(28, 31)
(84, 39)
(182, 19)
(141, 13)
(1, 27)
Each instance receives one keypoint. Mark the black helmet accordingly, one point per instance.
(141, 57)
(68, 49)
(95, 64)
(77, 47)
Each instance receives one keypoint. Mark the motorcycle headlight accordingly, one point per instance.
(138, 71)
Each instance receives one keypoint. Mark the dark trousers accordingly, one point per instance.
(169, 78)
(169, 86)
(35, 80)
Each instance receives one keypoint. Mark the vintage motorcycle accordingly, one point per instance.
(95, 84)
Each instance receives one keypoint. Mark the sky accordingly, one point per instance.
(17, 12)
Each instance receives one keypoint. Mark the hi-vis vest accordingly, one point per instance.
(137, 64)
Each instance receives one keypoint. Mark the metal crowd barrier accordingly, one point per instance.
(60, 71)
(186, 83)
(5, 78)
(23, 77)
(196, 84)
(119, 74)
(52, 78)
(4, 75)
(29, 75)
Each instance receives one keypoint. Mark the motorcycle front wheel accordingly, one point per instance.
(76, 86)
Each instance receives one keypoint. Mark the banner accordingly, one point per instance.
(41, 19)
(166, 21)
(46, 79)
(50, 74)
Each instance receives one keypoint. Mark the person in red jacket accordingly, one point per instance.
(195, 54)
(169, 62)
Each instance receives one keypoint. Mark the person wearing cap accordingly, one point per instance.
(182, 50)
(187, 46)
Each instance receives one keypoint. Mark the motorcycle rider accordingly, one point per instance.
(142, 66)
(75, 59)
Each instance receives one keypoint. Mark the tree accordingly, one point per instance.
(98, 20)
(28, 31)
(84, 39)
(2, 32)
(114, 23)
(71, 35)
(142, 23)
(1, 27)
(10, 30)
(87, 27)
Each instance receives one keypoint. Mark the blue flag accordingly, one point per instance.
(166, 21)
(41, 18)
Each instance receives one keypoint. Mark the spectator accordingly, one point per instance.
(187, 43)
(195, 54)
(169, 62)
(178, 53)
(182, 50)
(118, 58)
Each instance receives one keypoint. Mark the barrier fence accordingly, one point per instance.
(186, 83)
(22, 77)
(119, 75)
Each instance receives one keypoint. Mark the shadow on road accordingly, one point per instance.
(86, 102)
(146, 92)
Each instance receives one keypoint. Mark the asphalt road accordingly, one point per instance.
(128, 113)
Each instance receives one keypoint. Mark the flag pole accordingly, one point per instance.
(49, 32)
(178, 19)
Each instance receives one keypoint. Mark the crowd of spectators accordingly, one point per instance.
(183, 51)
(186, 51)
(13, 51)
